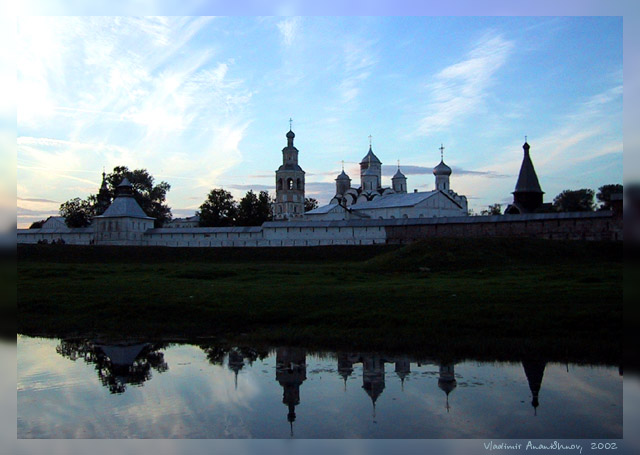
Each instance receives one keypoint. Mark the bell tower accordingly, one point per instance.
(289, 202)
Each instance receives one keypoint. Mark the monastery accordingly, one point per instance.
(364, 215)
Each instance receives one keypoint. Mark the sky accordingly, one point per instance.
(205, 102)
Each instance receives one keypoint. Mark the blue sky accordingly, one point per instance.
(204, 102)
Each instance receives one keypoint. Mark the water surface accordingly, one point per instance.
(98, 389)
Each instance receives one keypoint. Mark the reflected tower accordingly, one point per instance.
(373, 377)
(534, 371)
(236, 362)
(447, 380)
(403, 368)
(345, 366)
(291, 372)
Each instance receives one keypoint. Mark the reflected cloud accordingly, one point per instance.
(225, 391)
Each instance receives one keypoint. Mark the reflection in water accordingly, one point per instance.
(291, 372)
(399, 397)
(534, 370)
(236, 357)
(117, 364)
(447, 380)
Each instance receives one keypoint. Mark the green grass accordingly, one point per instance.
(481, 298)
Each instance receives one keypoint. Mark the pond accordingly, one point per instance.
(96, 388)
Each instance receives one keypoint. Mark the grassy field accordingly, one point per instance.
(480, 298)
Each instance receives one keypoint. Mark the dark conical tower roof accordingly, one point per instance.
(527, 179)
(534, 371)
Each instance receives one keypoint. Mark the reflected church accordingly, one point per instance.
(122, 364)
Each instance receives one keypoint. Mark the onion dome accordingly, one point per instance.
(343, 176)
(104, 186)
(290, 135)
(442, 169)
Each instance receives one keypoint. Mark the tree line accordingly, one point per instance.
(221, 210)
(150, 196)
(581, 200)
(218, 210)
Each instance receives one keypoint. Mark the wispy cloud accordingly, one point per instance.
(254, 187)
(389, 170)
(459, 89)
(289, 28)
(585, 134)
(359, 61)
(128, 94)
(32, 199)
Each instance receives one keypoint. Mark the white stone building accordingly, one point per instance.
(373, 201)
(188, 222)
(124, 222)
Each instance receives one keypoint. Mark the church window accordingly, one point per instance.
(299, 185)
(279, 185)
(290, 184)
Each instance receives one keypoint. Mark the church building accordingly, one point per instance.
(373, 201)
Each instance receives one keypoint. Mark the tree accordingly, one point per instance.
(77, 212)
(37, 224)
(604, 195)
(310, 204)
(574, 201)
(219, 209)
(254, 210)
(495, 209)
(149, 196)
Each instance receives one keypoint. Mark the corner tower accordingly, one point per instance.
(289, 202)
(528, 194)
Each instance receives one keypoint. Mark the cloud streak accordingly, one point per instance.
(389, 171)
(289, 28)
(30, 199)
(460, 89)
